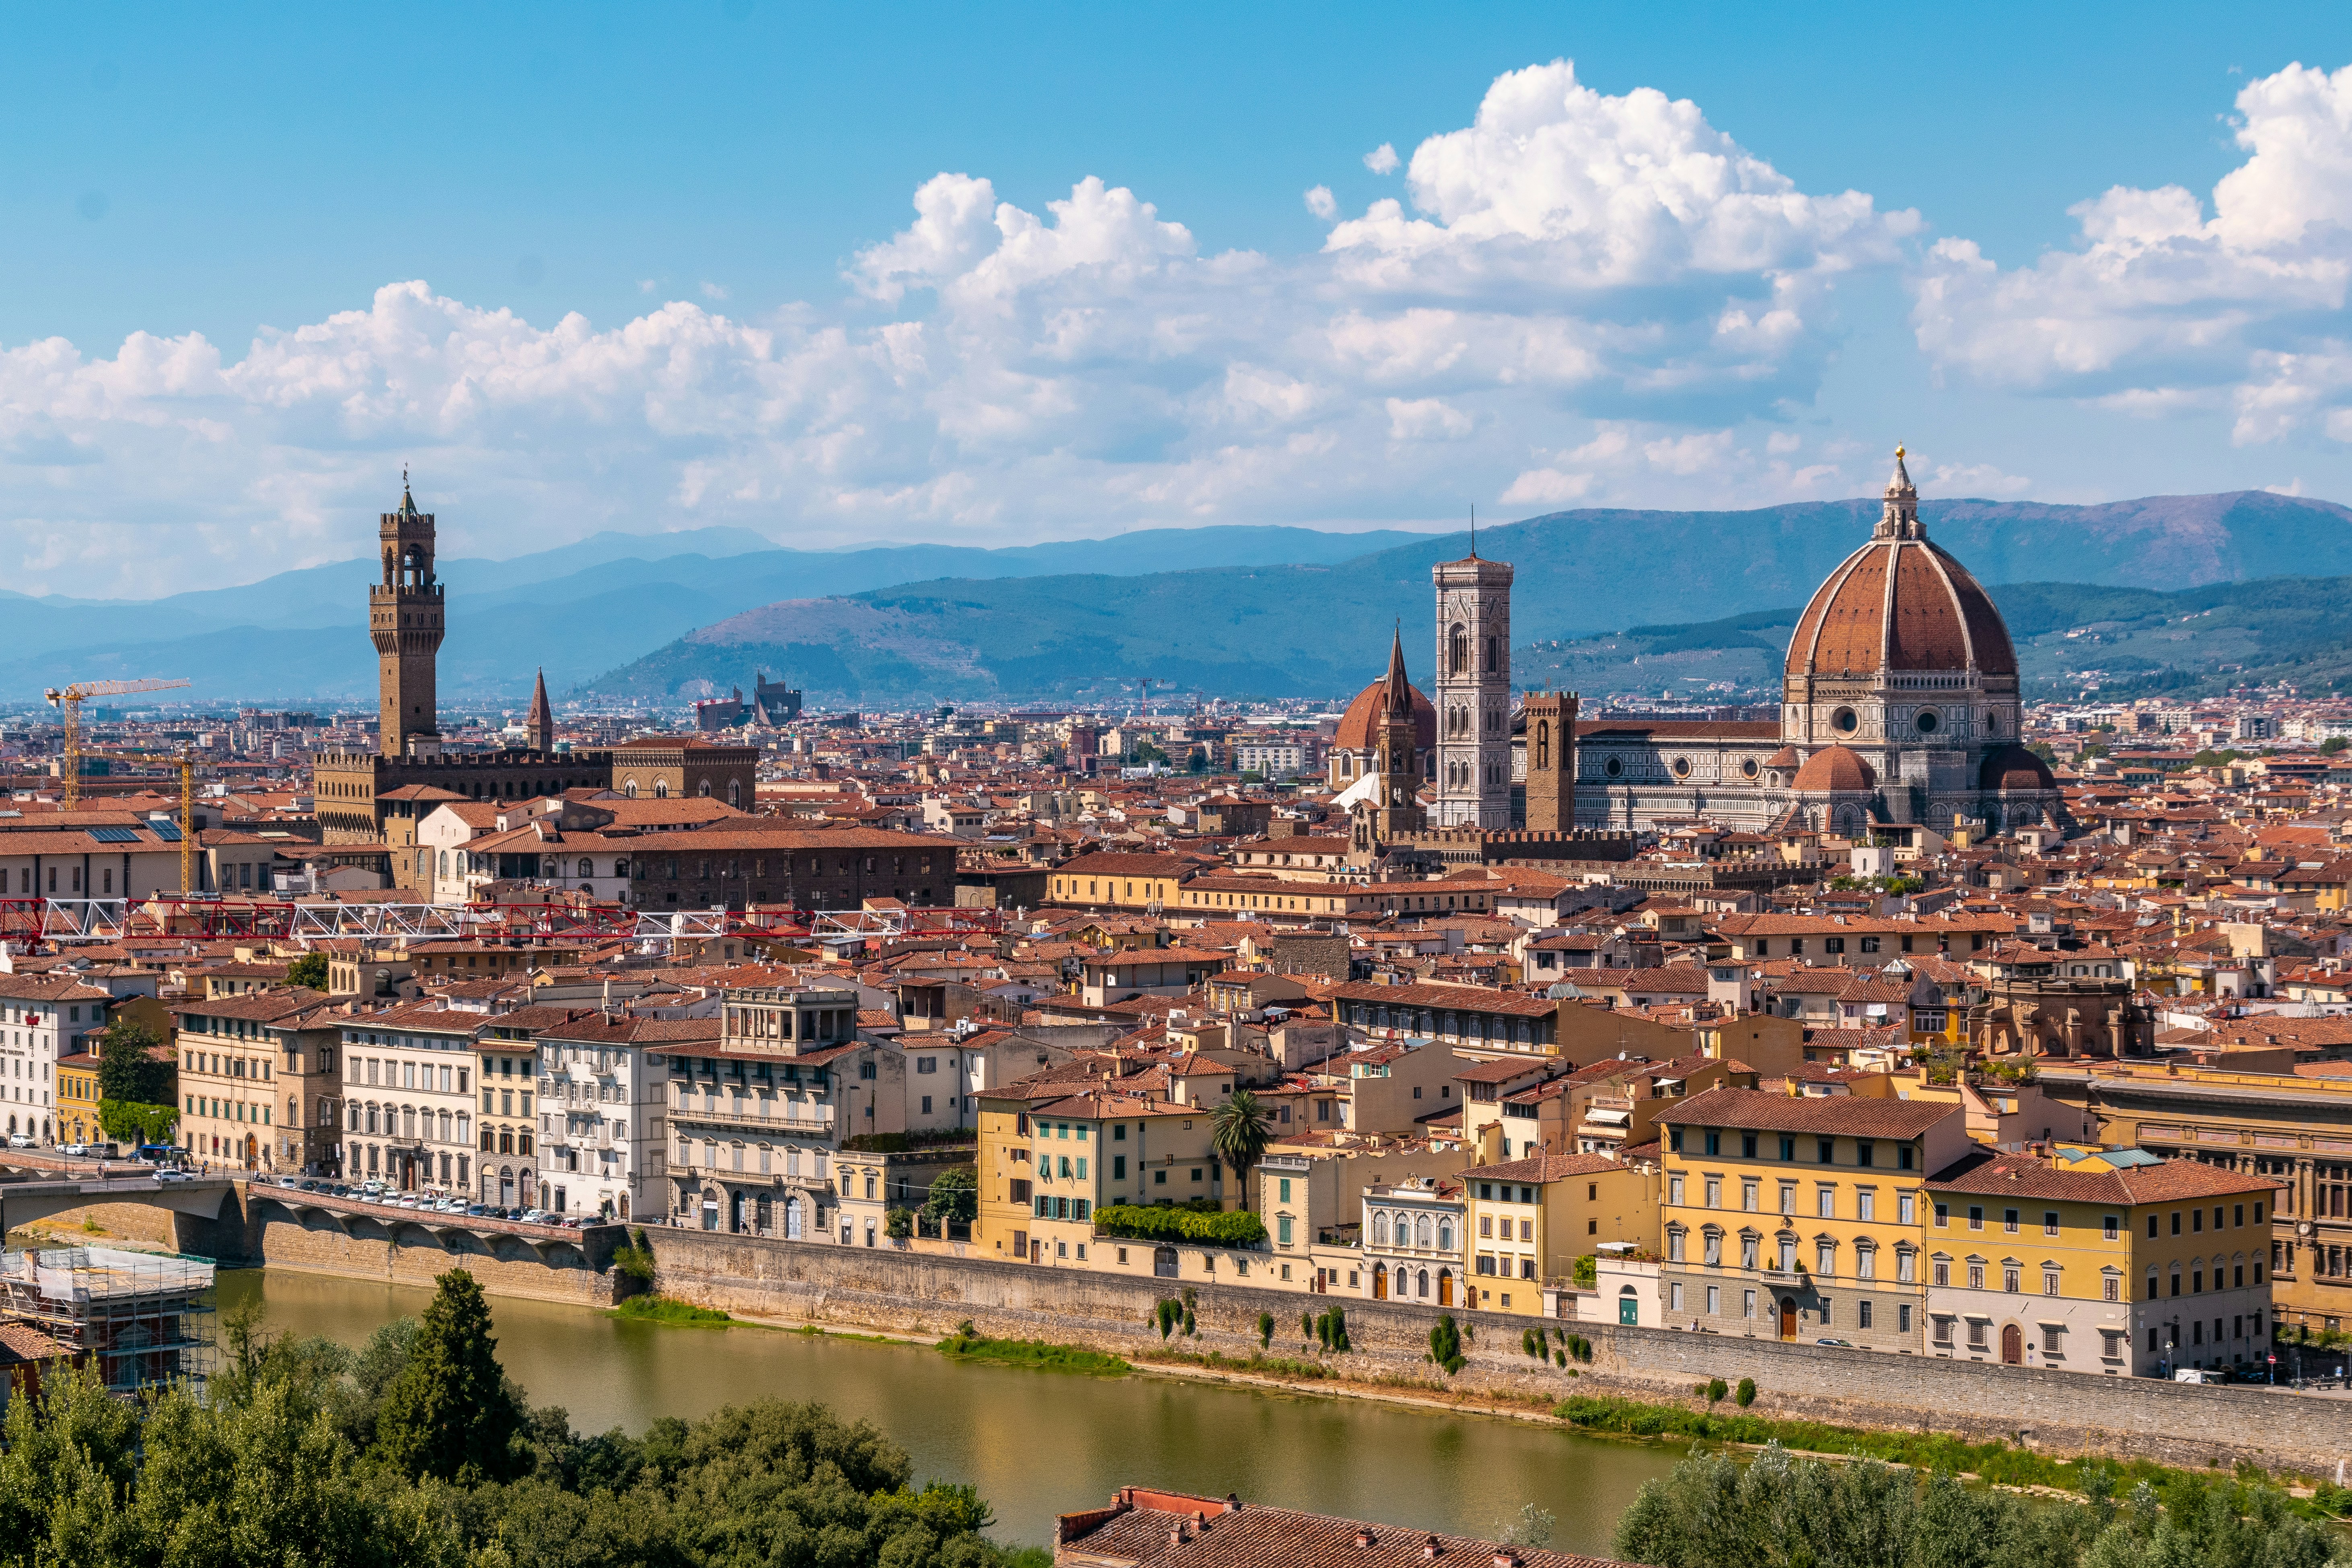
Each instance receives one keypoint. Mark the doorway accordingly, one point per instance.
(1446, 1287)
(735, 1214)
(2013, 1344)
(1629, 1306)
(1379, 1281)
(1787, 1317)
(793, 1217)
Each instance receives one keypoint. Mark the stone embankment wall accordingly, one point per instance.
(2061, 1412)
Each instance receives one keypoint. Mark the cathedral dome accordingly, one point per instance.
(1357, 724)
(1835, 768)
(2014, 767)
(1900, 604)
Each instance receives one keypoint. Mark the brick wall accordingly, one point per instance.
(2063, 1412)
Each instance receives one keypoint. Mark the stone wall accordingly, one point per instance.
(321, 1246)
(2063, 1412)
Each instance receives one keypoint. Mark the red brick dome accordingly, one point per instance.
(2014, 767)
(1363, 716)
(1900, 604)
(1835, 768)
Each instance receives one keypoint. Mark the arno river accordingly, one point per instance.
(1035, 1444)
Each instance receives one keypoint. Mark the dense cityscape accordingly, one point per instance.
(942, 787)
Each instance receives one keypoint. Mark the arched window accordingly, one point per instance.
(735, 792)
(703, 790)
(587, 868)
(629, 788)
(1446, 1235)
(424, 862)
(1492, 666)
(444, 862)
(621, 868)
(1457, 649)
(1421, 1231)
(661, 789)
(1543, 742)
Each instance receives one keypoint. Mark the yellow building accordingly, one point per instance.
(1049, 1158)
(2108, 1261)
(1529, 1220)
(1801, 1217)
(78, 1098)
(1119, 882)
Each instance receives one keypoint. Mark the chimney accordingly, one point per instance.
(1430, 1549)
(1366, 1538)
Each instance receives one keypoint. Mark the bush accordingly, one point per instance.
(309, 970)
(1305, 1325)
(1189, 1330)
(1168, 1315)
(898, 1224)
(1035, 1353)
(635, 1262)
(128, 1121)
(1559, 1358)
(955, 1197)
(1238, 1227)
(1715, 1389)
(668, 1310)
(1531, 1341)
(1746, 1394)
(1264, 1329)
(1445, 1344)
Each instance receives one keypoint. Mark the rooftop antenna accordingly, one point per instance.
(1473, 533)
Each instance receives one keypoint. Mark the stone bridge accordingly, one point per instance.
(504, 1240)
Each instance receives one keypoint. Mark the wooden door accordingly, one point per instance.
(1379, 1282)
(2013, 1344)
(1787, 1317)
(1444, 1288)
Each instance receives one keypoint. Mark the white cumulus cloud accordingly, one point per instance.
(1582, 296)
(2160, 306)
(1382, 159)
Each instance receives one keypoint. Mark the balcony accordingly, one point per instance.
(721, 1113)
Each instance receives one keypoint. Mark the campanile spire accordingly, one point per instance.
(404, 622)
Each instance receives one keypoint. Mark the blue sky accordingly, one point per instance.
(669, 268)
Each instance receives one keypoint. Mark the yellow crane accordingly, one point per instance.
(67, 700)
(186, 758)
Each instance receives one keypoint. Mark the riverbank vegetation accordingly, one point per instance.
(418, 1452)
(669, 1310)
(968, 1344)
(1713, 1512)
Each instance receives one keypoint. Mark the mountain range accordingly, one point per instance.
(1237, 611)
(1322, 629)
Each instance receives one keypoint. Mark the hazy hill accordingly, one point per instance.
(1231, 609)
(1323, 630)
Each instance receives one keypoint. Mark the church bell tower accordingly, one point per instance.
(406, 625)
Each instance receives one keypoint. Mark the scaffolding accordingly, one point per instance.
(140, 1318)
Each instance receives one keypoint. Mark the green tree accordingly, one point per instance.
(1239, 1130)
(955, 1197)
(449, 1414)
(898, 1224)
(127, 1068)
(309, 970)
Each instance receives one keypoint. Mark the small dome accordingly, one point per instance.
(1363, 716)
(2014, 767)
(1786, 757)
(1835, 768)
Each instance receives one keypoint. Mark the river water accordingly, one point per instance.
(1035, 1444)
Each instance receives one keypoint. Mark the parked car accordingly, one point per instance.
(1841, 1344)
(19, 1141)
(168, 1175)
(2198, 1374)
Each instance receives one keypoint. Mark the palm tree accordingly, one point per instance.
(1239, 1130)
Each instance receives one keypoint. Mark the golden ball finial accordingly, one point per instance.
(1899, 451)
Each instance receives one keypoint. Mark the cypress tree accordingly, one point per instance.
(448, 1413)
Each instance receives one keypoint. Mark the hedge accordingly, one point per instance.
(1238, 1227)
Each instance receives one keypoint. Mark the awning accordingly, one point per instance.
(1610, 1118)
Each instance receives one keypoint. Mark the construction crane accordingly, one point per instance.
(68, 701)
(186, 758)
(1147, 683)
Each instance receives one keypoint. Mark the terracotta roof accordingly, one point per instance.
(1460, 999)
(1988, 1172)
(1172, 1529)
(1900, 602)
(1835, 768)
(1355, 732)
(1750, 1110)
(1545, 1168)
